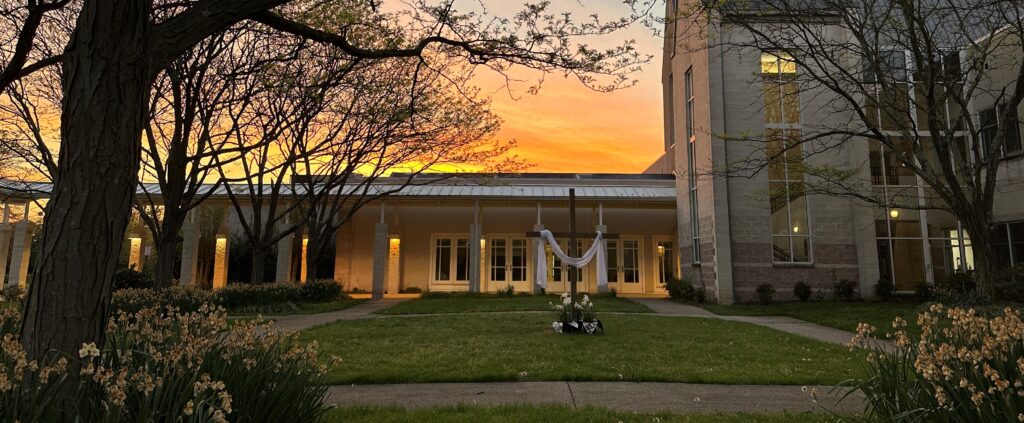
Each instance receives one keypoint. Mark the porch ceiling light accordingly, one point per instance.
(895, 214)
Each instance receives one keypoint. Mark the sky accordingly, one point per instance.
(567, 127)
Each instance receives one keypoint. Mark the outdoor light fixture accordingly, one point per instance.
(661, 250)
(895, 214)
(796, 229)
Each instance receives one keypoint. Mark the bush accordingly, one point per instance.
(802, 291)
(507, 292)
(245, 295)
(883, 289)
(160, 365)
(321, 291)
(844, 290)
(681, 289)
(765, 293)
(962, 368)
(128, 277)
(465, 294)
(958, 282)
(411, 290)
(923, 291)
(185, 299)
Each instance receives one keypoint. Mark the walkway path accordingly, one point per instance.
(297, 322)
(664, 307)
(623, 396)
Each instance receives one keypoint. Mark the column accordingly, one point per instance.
(5, 248)
(538, 246)
(604, 245)
(303, 269)
(475, 237)
(21, 247)
(189, 249)
(135, 252)
(283, 273)
(220, 262)
(380, 259)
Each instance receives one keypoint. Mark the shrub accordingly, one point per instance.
(681, 289)
(923, 291)
(802, 291)
(844, 289)
(321, 291)
(883, 289)
(185, 299)
(411, 290)
(160, 365)
(765, 293)
(128, 277)
(962, 368)
(507, 292)
(245, 295)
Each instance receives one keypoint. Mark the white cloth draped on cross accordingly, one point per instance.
(597, 250)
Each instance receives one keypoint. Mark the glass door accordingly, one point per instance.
(507, 263)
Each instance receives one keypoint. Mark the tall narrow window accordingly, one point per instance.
(791, 241)
(691, 169)
(442, 259)
(670, 112)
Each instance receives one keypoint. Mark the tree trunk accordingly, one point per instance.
(105, 86)
(167, 249)
(259, 260)
(312, 258)
(984, 267)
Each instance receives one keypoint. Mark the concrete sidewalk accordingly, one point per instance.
(664, 307)
(297, 322)
(623, 396)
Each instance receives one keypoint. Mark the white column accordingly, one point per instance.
(602, 228)
(220, 262)
(21, 247)
(189, 249)
(283, 273)
(303, 270)
(380, 259)
(5, 248)
(475, 236)
(135, 252)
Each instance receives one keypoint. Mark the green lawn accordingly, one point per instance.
(297, 308)
(550, 413)
(839, 315)
(478, 304)
(480, 348)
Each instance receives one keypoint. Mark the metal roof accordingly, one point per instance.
(652, 189)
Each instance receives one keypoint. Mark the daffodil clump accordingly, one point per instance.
(164, 364)
(962, 367)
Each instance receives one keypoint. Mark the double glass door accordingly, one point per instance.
(560, 275)
(507, 263)
(624, 264)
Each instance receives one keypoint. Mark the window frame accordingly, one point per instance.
(453, 251)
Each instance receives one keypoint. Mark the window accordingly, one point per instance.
(989, 122)
(630, 261)
(670, 112)
(790, 227)
(1008, 245)
(612, 257)
(451, 259)
(691, 165)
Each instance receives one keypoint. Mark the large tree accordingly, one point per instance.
(898, 78)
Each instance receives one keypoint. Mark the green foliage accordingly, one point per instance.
(802, 291)
(508, 292)
(320, 291)
(128, 277)
(493, 303)
(164, 365)
(465, 294)
(411, 290)
(183, 298)
(682, 289)
(765, 293)
(844, 290)
(884, 288)
(961, 368)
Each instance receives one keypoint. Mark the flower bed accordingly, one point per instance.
(164, 364)
(963, 367)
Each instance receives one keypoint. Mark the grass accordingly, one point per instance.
(298, 308)
(483, 348)
(839, 315)
(491, 303)
(551, 413)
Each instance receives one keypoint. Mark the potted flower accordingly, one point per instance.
(586, 320)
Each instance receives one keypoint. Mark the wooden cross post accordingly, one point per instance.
(573, 251)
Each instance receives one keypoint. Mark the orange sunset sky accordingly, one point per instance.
(567, 127)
